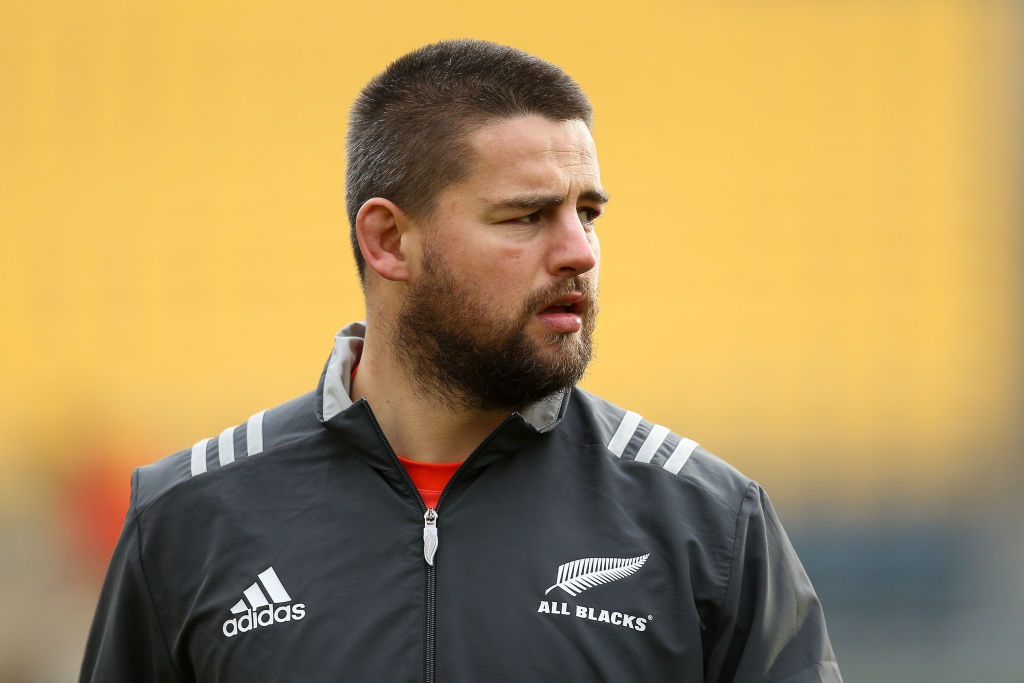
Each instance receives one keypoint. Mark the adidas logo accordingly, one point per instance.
(264, 603)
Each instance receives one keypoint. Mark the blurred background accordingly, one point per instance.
(812, 266)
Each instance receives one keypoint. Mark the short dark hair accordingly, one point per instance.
(408, 129)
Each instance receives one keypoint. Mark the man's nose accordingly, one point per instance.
(575, 247)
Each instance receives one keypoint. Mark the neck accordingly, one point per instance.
(418, 426)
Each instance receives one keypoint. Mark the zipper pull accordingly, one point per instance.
(429, 535)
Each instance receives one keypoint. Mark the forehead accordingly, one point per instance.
(534, 153)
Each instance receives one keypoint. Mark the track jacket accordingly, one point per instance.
(579, 542)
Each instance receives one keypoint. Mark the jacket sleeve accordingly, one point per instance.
(771, 628)
(126, 642)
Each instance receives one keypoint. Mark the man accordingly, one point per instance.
(445, 505)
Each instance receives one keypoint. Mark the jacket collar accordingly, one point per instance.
(332, 395)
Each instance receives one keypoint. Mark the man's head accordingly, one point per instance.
(408, 130)
(481, 284)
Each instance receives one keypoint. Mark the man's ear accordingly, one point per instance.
(380, 226)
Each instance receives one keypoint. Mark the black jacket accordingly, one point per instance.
(577, 543)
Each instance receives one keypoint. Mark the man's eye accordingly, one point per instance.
(528, 219)
(588, 214)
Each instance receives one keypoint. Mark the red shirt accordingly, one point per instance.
(429, 478)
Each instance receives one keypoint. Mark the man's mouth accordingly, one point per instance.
(563, 308)
(564, 314)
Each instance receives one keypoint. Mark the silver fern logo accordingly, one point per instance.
(579, 575)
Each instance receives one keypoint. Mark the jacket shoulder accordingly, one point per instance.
(631, 438)
(262, 433)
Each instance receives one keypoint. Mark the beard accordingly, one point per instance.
(457, 350)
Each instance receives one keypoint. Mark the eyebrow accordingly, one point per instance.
(545, 201)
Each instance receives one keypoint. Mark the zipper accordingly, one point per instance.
(430, 545)
(430, 540)
(429, 549)
(430, 626)
(429, 535)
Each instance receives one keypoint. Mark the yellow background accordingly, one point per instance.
(812, 259)
(811, 263)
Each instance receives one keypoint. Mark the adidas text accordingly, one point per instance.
(591, 614)
(264, 616)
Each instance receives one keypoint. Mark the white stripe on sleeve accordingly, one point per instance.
(630, 421)
(652, 443)
(254, 434)
(199, 457)
(680, 455)
(226, 446)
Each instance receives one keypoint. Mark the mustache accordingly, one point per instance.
(546, 297)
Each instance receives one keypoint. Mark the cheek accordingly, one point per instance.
(499, 277)
(509, 265)
(505, 272)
